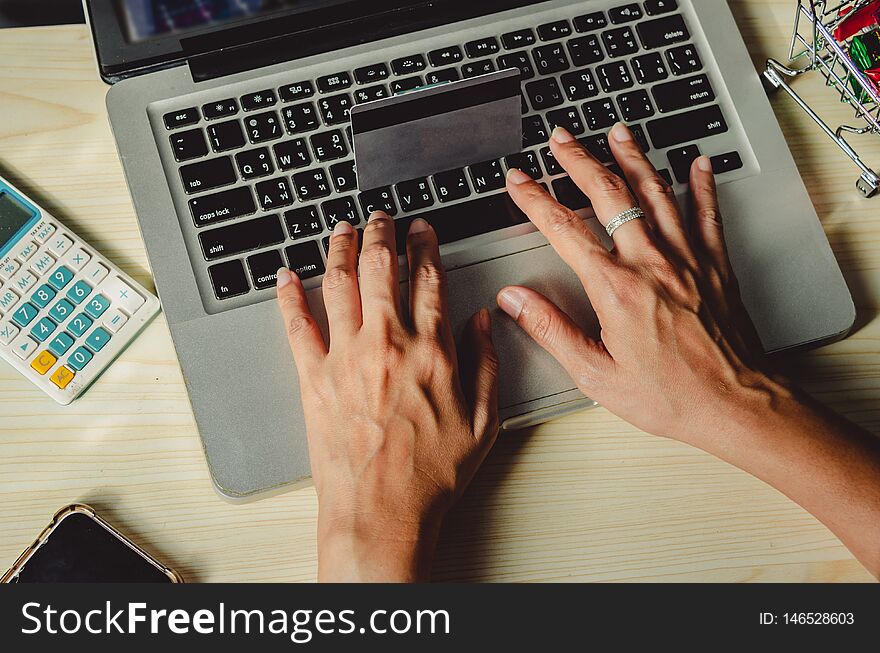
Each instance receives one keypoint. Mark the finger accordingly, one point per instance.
(585, 360)
(608, 192)
(479, 365)
(380, 285)
(655, 196)
(340, 286)
(707, 226)
(428, 294)
(306, 341)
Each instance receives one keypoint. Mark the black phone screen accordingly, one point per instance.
(80, 550)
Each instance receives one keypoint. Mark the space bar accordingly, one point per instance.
(460, 221)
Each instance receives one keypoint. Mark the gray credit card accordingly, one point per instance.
(437, 128)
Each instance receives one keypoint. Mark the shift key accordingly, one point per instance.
(241, 237)
(205, 175)
(687, 127)
(226, 205)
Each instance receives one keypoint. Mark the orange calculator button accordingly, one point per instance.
(62, 377)
(44, 362)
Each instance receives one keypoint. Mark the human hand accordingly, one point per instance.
(397, 422)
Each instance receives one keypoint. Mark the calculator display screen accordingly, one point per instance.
(13, 216)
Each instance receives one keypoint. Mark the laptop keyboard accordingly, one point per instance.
(292, 145)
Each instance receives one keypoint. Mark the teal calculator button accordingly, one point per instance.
(79, 292)
(43, 329)
(25, 314)
(61, 343)
(60, 278)
(61, 311)
(43, 296)
(80, 324)
(97, 339)
(97, 306)
(80, 358)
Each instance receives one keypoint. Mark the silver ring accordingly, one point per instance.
(629, 215)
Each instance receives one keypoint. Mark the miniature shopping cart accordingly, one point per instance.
(814, 48)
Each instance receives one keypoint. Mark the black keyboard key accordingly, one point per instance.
(635, 106)
(590, 22)
(181, 118)
(227, 205)
(682, 159)
(585, 51)
(300, 118)
(415, 195)
(274, 194)
(641, 138)
(615, 77)
(258, 100)
(527, 162)
(663, 31)
(580, 85)
(446, 56)
(263, 127)
(378, 199)
(620, 42)
(189, 145)
(570, 118)
(518, 39)
(550, 163)
(304, 222)
(726, 162)
(569, 195)
(343, 209)
(220, 109)
(241, 237)
(684, 127)
(205, 175)
(649, 68)
(551, 59)
(518, 60)
(487, 176)
(666, 175)
(344, 177)
(559, 29)
(329, 146)
(264, 268)
(544, 94)
(305, 260)
(254, 163)
(442, 76)
(600, 114)
(333, 83)
(683, 93)
(371, 74)
(297, 91)
(451, 185)
(658, 7)
(293, 154)
(482, 47)
(406, 84)
(597, 145)
(371, 93)
(684, 60)
(226, 136)
(228, 279)
(335, 109)
(525, 105)
(625, 14)
(534, 131)
(311, 185)
(476, 68)
(408, 65)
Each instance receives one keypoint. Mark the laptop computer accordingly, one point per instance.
(232, 123)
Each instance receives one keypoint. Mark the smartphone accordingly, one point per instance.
(80, 547)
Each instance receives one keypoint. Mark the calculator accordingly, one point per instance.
(66, 312)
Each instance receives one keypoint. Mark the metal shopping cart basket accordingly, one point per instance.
(814, 48)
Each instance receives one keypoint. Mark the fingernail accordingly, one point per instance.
(704, 163)
(378, 215)
(483, 320)
(511, 302)
(517, 177)
(419, 226)
(562, 135)
(342, 227)
(284, 277)
(621, 133)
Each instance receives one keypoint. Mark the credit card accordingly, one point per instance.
(437, 128)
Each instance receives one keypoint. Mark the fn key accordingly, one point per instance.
(228, 279)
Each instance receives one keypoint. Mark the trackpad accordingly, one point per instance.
(527, 371)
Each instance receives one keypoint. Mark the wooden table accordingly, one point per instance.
(585, 498)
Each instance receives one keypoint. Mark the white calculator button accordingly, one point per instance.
(60, 245)
(122, 295)
(44, 232)
(8, 299)
(42, 264)
(114, 321)
(95, 272)
(26, 251)
(23, 281)
(77, 259)
(24, 346)
(8, 331)
(9, 268)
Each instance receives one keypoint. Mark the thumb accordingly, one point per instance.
(479, 370)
